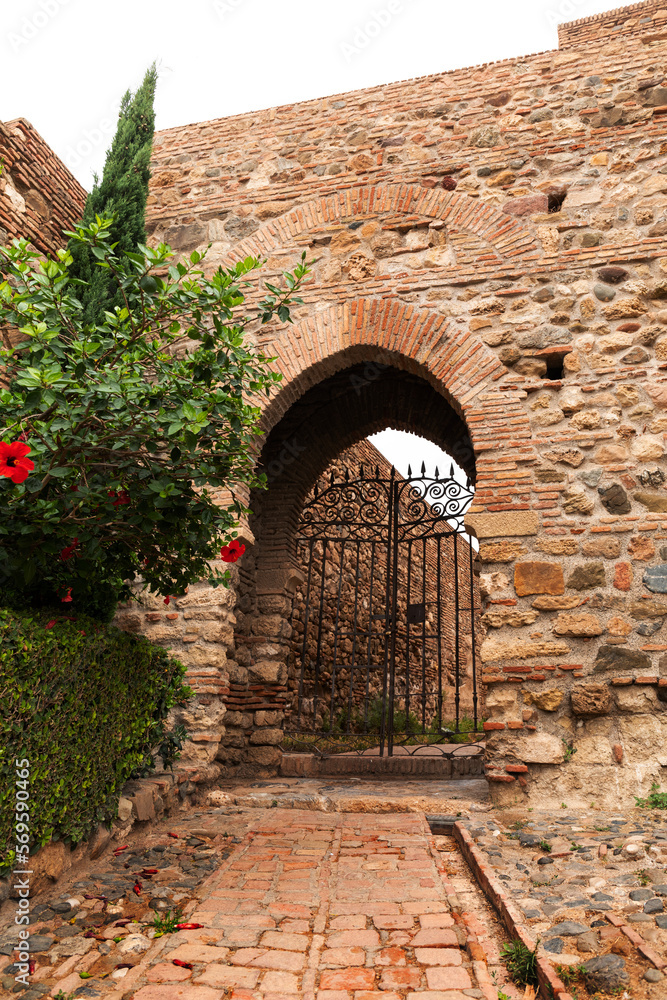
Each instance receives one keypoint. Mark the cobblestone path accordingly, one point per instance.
(328, 907)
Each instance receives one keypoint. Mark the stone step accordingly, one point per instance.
(299, 765)
(356, 794)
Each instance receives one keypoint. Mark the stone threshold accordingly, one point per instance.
(309, 765)
(355, 795)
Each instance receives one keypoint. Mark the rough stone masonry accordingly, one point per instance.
(494, 241)
(490, 271)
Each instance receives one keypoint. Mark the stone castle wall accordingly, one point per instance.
(489, 252)
(497, 235)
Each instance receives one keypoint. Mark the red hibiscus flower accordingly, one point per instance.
(69, 550)
(13, 461)
(51, 623)
(167, 599)
(232, 553)
(68, 596)
(122, 497)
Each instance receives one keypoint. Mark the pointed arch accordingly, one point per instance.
(454, 361)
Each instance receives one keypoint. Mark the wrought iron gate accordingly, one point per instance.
(384, 629)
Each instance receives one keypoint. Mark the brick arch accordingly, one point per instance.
(452, 360)
(459, 374)
(502, 232)
(440, 381)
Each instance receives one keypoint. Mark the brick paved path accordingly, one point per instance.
(323, 907)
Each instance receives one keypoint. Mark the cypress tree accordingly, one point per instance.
(122, 193)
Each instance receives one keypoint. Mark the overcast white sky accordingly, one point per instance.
(66, 63)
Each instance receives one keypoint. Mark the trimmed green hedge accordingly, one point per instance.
(84, 703)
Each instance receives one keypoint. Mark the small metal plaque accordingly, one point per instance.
(416, 614)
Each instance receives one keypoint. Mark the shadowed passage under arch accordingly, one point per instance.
(329, 418)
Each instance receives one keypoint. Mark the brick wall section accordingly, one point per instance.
(498, 236)
(646, 21)
(39, 197)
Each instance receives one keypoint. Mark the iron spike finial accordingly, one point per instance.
(361, 470)
(468, 482)
(409, 472)
(393, 472)
(332, 478)
(347, 474)
(451, 471)
(423, 469)
(377, 471)
(316, 489)
(437, 472)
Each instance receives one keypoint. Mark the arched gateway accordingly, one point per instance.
(488, 250)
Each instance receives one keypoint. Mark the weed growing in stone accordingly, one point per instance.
(642, 877)
(571, 976)
(655, 800)
(165, 923)
(546, 846)
(521, 962)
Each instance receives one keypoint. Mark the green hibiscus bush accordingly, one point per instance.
(119, 437)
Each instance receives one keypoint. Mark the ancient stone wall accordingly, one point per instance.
(489, 252)
(198, 628)
(494, 241)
